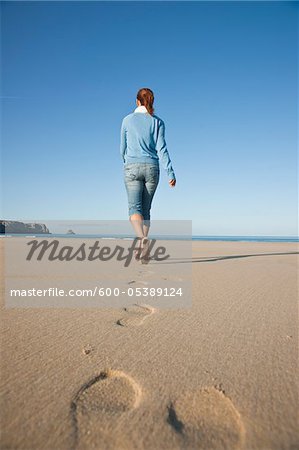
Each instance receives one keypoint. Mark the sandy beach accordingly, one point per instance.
(221, 374)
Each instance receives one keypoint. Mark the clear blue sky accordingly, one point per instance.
(224, 76)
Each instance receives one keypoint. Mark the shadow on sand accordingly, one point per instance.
(204, 259)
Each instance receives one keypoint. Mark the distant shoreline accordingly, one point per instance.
(193, 238)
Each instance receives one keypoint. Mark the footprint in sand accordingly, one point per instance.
(101, 408)
(144, 283)
(206, 419)
(135, 315)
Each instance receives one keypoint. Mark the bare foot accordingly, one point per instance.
(144, 258)
(138, 250)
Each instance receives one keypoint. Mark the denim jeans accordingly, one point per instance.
(141, 181)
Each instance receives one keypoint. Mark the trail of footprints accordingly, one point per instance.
(103, 407)
(136, 314)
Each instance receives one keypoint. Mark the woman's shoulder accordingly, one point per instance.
(154, 117)
(127, 117)
(158, 119)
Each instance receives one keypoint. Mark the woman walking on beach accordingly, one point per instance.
(142, 145)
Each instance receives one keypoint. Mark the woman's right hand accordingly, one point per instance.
(172, 183)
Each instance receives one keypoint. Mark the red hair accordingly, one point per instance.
(146, 98)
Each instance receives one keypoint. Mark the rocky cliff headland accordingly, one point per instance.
(15, 227)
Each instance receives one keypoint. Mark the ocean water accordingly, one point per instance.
(193, 238)
(247, 238)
